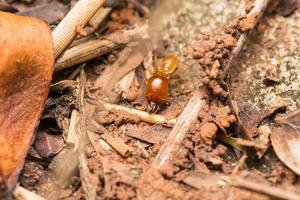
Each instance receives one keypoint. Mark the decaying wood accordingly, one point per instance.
(25, 69)
(65, 32)
(258, 10)
(187, 117)
(21, 193)
(96, 47)
(144, 116)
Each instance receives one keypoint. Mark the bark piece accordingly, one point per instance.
(26, 61)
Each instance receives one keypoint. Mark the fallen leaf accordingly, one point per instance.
(7, 8)
(285, 138)
(50, 12)
(130, 58)
(26, 61)
(287, 7)
(249, 118)
(48, 145)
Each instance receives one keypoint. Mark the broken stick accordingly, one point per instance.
(97, 47)
(187, 117)
(258, 10)
(80, 14)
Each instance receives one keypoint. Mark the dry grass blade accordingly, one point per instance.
(96, 47)
(80, 14)
(88, 181)
(187, 117)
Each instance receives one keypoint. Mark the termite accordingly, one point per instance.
(158, 85)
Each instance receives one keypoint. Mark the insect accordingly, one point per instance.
(158, 84)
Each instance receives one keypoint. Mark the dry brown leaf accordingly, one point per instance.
(250, 118)
(26, 61)
(48, 145)
(285, 139)
(50, 12)
(130, 58)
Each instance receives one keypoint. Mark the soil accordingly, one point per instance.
(202, 34)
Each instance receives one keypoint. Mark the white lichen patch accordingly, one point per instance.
(273, 53)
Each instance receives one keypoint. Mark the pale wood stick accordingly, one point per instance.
(21, 193)
(259, 8)
(278, 192)
(100, 15)
(88, 181)
(97, 47)
(116, 143)
(187, 117)
(80, 14)
(144, 116)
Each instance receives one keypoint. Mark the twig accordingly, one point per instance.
(144, 116)
(123, 149)
(100, 15)
(97, 47)
(258, 9)
(282, 193)
(187, 117)
(89, 183)
(240, 163)
(67, 160)
(65, 32)
(21, 193)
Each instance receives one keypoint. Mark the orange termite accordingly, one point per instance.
(157, 85)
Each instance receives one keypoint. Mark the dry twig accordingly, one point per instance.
(88, 181)
(187, 117)
(96, 47)
(144, 116)
(65, 32)
(123, 149)
(281, 193)
(258, 9)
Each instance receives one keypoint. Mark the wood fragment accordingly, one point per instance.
(187, 117)
(259, 9)
(96, 47)
(98, 18)
(21, 193)
(144, 116)
(199, 180)
(277, 192)
(67, 160)
(116, 143)
(88, 180)
(65, 32)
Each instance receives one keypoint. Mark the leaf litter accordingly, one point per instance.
(199, 153)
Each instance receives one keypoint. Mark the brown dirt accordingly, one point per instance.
(133, 176)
